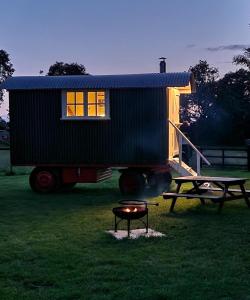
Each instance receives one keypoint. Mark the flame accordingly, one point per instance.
(130, 210)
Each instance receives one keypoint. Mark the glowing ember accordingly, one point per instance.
(130, 210)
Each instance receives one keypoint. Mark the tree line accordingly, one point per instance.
(217, 114)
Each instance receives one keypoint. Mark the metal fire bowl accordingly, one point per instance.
(133, 202)
(121, 212)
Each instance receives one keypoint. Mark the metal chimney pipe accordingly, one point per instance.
(162, 64)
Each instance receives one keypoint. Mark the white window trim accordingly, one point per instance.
(87, 118)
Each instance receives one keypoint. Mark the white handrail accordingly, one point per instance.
(190, 143)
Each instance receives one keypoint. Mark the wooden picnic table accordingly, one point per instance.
(205, 187)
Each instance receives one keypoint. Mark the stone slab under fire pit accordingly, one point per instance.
(135, 233)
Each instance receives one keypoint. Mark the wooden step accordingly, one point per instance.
(182, 168)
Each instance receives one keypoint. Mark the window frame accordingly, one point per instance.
(85, 97)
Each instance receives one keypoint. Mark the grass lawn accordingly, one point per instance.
(55, 247)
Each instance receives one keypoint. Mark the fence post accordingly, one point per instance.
(223, 157)
(11, 169)
(248, 153)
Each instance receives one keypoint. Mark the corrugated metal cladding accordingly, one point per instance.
(99, 81)
(135, 134)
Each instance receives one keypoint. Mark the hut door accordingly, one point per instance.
(174, 116)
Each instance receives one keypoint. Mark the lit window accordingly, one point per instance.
(75, 104)
(85, 105)
(96, 104)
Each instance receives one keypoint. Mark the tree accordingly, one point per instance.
(219, 112)
(198, 109)
(61, 68)
(198, 105)
(243, 59)
(232, 117)
(203, 73)
(6, 69)
(3, 124)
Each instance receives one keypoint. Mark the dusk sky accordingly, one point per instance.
(117, 36)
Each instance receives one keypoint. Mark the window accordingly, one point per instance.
(85, 105)
(96, 104)
(75, 104)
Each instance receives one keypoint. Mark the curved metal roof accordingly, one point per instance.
(150, 80)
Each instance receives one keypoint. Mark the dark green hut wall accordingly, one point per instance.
(135, 134)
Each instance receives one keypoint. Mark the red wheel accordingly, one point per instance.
(43, 180)
(132, 183)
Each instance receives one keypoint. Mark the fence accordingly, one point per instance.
(5, 164)
(227, 156)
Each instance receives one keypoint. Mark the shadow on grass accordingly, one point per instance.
(90, 191)
(78, 196)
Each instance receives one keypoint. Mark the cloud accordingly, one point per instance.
(191, 45)
(232, 47)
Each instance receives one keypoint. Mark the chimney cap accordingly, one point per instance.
(162, 58)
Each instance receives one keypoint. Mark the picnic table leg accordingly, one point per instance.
(128, 228)
(115, 224)
(175, 198)
(221, 203)
(198, 191)
(245, 194)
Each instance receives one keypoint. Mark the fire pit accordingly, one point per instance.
(132, 210)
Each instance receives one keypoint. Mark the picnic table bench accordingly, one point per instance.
(219, 194)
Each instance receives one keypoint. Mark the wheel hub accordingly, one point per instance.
(45, 179)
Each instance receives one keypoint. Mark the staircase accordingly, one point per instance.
(178, 164)
(181, 168)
